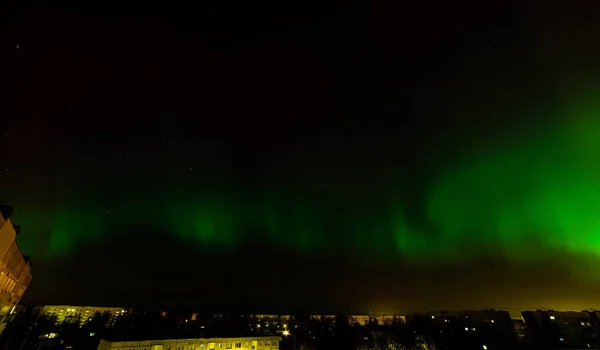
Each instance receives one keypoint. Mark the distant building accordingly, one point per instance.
(562, 329)
(492, 328)
(272, 318)
(247, 343)
(322, 317)
(15, 272)
(387, 320)
(286, 318)
(265, 317)
(359, 320)
(81, 314)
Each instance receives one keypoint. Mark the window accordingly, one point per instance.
(228, 346)
(238, 345)
(267, 343)
(253, 347)
(274, 342)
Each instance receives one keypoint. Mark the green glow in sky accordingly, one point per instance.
(542, 192)
(537, 191)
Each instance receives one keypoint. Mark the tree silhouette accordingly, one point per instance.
(383, 341)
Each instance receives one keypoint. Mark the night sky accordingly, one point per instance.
(276, 156)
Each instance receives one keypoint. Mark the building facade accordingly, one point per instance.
(468, 328)
(15, 272)
(246, 343)
(82, 314)
(387, 320)
(562, 328)
(359, 320)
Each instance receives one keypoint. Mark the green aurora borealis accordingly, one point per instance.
(365, 157)
(538, 193)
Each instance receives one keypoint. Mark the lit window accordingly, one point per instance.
(466, 329)
(484, 347)
(551, 317)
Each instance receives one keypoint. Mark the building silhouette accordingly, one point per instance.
(15, 271)
(81, 314)
(562, 329)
